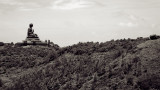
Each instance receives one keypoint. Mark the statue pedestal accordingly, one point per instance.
(32, 39)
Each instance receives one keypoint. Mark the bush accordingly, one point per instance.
(130, 81)
(1, 84)
(52, 55)
(153, 37)
(150, 82)
(1, 44)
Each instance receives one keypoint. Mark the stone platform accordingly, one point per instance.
(32, 39)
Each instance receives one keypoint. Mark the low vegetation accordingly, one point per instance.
(126, 64)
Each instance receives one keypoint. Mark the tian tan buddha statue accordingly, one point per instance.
(32, 38)
(30, 33)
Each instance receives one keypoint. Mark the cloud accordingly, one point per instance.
(35, 3)
(27, 5)
(128, 19)
(10, 5)
(73, 4)
(128, 24)
(93, 33)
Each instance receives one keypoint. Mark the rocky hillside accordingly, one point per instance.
(132, 64)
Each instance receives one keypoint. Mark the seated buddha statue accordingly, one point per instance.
(31, 32)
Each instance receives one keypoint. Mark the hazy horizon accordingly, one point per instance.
(67, 22)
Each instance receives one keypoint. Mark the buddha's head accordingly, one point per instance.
(31, 25)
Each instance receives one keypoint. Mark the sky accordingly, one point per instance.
(67, 22)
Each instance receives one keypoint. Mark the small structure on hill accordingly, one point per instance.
(32, 38)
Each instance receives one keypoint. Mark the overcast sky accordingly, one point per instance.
(67, 22)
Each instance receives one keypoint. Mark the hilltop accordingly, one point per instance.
(126, 64)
